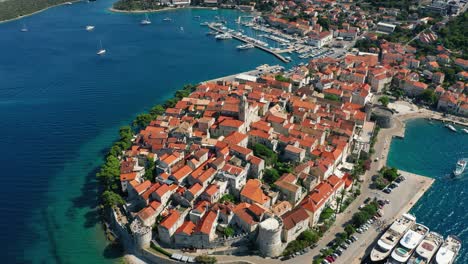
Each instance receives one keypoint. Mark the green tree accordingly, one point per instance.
(142, 120)
(228, 231)
(109, 174)
(149, 170)
(360, 218)
(157, 110)
(332, 97)
(265, 153)
(227, 198)
(111, 199)
(281, 78)
(428, 96)
(349, 229)
(384, 100)
(205, 259)
(271, 175)
(310, 236)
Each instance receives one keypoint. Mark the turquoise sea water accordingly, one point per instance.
(433, 150)
(61, 107)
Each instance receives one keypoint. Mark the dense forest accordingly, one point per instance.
(14, 8)
(129, 5)
(454, 35)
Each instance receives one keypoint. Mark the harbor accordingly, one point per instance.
(244, 39)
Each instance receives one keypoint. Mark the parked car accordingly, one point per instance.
(359, 230)
(354, 237)
(367, 200)
(325, 262)
(387, 190)
(334, 255)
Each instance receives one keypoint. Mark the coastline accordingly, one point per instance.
(38, 11)
(155, 10)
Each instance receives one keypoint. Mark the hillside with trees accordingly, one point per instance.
(11, 9)
(454, 35)
(132, 5)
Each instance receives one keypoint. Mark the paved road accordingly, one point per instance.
(262, 69)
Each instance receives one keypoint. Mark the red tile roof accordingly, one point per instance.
(254, 192)
(170, 221)
(294, 217)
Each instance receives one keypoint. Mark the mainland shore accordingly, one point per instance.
(112, 9)
(38, 11)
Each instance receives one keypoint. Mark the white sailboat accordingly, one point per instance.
(146, 21)
(24, 28)
(89, 28)
(101, 51)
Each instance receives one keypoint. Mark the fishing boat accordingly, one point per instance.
(460, 167)
(390, 238)
(101, 51)
(427, 249)
(448, 251)
(449, 126)
(408, 244)
(145, 21)
(89, 28)
(245, 46)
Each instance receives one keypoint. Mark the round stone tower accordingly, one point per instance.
(141, 234)
(269, 237)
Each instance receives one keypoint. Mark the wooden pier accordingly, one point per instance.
(279, 56)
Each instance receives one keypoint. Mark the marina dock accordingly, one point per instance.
(276, 54)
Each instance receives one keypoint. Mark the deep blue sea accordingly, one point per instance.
(61, 106)
(432, 150)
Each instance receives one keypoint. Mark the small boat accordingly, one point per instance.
(89, 28)
(245, 46)
(68, 3)
(181, 28)
(145, 21)
(214, 8)
(460, 167)
(196, 17)
(465, 130)
(101, 51)
(211, 33)
(223, 36)
(24, 28)
(167, 19)
(204, 24)
(448, 251)
(451, 127)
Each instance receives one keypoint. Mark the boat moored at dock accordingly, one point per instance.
(451, 127)
(245, 46)
(427, 249)
(390, 238)
(223, 36)
(448, 251)
(408, 244)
